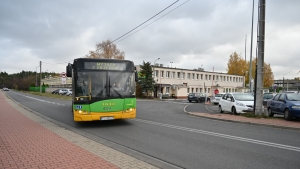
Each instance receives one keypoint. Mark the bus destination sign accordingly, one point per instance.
(104, 66)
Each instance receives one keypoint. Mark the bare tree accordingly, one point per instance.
(107, 50)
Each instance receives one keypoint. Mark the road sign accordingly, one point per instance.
(63, 74)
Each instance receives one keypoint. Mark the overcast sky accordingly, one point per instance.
(191, 34)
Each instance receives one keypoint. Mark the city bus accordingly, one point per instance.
(103, 89)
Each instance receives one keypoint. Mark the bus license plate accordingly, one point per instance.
(107, 118)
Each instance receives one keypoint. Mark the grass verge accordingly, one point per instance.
(57, 96)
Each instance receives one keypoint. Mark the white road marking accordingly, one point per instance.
(164, 101)
(40, 99)
(282, 146)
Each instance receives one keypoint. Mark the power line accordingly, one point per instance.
(145, 21)
(121, 37)
(152, 22)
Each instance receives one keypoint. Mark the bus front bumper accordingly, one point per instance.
(95, 116)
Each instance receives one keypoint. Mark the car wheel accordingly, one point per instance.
(233, 110)
(220, 109)
(270, 114)
(287, 115)
(199, 100)
(190, 101)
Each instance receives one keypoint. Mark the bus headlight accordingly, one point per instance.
(129, 110)
(83, 112)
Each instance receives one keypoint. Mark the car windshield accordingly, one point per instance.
(218, 95)
(293, 97)
(192, 94)
(268, 96)
(243, 97)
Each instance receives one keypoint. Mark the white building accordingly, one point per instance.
(179, 82)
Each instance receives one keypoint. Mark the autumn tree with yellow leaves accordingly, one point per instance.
(107, 49)
(238, 66)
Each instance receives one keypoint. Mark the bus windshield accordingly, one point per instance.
(103, 85)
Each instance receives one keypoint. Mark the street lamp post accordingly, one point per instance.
(154, 71)
(283, 79)
(36, 75)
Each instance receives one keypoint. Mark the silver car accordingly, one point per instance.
(217, 98)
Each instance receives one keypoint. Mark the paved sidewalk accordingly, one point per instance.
(29, 141)
(274, 122)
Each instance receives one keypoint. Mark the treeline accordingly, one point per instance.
(22, 80)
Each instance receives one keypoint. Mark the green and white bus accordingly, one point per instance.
(103, 89)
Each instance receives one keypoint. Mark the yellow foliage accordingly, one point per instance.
(107, 50)
(238, 66)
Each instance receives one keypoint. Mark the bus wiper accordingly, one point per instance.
(121, 96)
(100, 93)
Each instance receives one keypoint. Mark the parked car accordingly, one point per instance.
(62, 91)
(267, 97)
(197, 97)
(5, 89)
(236, 103)
(55, 91)
(217, 98)
(287, 104)
(69, 92)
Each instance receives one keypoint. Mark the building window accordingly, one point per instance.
(173, 75)
(193, 76)
(209, 77)
(183, 75)
(168, 74)
(197, 76)
(201, 77)
(226, 78)
(192, 90)
(205, 77)
(208, 90)
(167, 89)
(217, 78)
(188, 76)
(155, 73)
(161, 74)
(200, 90)
(188, 90)
(196, 89)
(230, 79)
(178, 75)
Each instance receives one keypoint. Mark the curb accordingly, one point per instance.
(235, 121)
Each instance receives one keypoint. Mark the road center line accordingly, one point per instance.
(292, 148)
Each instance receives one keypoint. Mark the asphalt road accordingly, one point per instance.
(162, 130)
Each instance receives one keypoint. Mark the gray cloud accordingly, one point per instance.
(199, 33)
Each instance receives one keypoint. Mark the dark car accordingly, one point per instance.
(267, 97)
(287, 104)
(55, 91)
(197, 97)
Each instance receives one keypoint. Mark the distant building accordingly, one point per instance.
(179, 82)
(287, 85)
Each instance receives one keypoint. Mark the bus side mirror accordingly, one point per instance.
(69, 70)
(136, 77)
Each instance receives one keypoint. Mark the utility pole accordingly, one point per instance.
(40, 76)
(250, 71)
(260, 59)
(245, 47)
